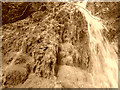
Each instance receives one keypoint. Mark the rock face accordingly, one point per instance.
(109, 12)
(50, 39)
(12, 12)
(18, 69)
(15, 77)
(72, 77)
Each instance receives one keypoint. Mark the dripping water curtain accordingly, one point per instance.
(103, 55)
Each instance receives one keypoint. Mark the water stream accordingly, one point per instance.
(103, 55)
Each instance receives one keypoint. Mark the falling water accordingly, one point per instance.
(103, 55)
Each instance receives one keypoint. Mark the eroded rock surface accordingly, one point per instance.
(51, 42)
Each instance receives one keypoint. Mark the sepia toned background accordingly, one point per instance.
(47, 44)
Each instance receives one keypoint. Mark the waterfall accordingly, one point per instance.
(103, 55)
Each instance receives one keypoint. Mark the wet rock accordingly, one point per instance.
(18, 70)
(52, 36)
(72, 77)
(13, 12)
(15, 76)
(46, 66)
(109, 13)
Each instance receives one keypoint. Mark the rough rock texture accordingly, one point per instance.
(17, 69)
(46, 39)
(72, 77)
(109, 12)
(12, 12)
(15, 77)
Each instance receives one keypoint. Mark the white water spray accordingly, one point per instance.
(103, 55)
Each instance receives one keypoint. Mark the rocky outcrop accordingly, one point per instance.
(109, 13)
(18, 69)
(54, 35)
